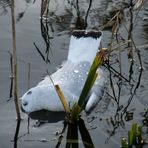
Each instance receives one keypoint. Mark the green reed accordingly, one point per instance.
(74, 114)
(134, 138)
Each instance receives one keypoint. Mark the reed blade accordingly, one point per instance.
(92, 75)
(62, 98)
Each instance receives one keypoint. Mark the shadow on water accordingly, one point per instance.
(17, 133)
(71, 130)
(47, 116)
(72, 139)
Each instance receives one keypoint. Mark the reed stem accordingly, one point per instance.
(14, 60)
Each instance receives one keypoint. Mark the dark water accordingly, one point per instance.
(44, 46)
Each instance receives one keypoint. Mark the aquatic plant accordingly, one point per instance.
(73, 114)
(92, 75)
(134, 138)
(73, 122)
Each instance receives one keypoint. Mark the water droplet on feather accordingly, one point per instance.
(76, 71)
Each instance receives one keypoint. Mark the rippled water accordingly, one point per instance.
(45, 46)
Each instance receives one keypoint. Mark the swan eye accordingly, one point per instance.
(29, 92)
(25, 103)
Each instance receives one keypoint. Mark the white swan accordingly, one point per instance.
(71, 77)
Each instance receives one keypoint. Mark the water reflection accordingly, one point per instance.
(70, 130)
(21, 14)
(145, 23)
(46, 38)
(81, 23)
(17, 133)
(72, 139)
(123, 113)
(45, 23)
(3, 6)
(45, 30)
(119, 81)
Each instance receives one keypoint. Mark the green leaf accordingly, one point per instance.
(134, 131)
(75, 112)
(92, 75)
(130, 138)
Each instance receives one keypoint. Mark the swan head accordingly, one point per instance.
(29, 100)
(39, 98)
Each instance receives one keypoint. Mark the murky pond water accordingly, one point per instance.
(44, 46)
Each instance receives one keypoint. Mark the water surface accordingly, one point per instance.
(105, 124)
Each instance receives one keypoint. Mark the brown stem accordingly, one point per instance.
(14, 61)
